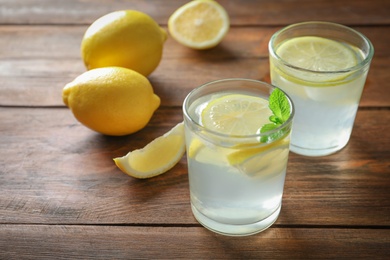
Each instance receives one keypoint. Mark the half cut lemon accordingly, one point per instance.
(199, 24)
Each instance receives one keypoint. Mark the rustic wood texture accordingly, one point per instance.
(123, 242)
(62, 197)
(64, 173)
(34, 76)
(247, 12)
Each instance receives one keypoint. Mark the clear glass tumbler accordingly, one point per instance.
(236, 174)
(323, 67)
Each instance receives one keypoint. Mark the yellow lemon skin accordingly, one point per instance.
(112, 101)
(155, 158)
(126, 38)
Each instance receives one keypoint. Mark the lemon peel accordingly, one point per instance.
(125, 38)
(112, 101)
(266, 164)
(155, 158)
(195, 146)
(242, 155)
(199, 24)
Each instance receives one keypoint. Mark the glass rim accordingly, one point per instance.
(218, 134)
(366, 61)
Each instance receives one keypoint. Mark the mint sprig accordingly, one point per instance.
(280, 107)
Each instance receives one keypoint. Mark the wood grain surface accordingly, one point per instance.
(62, 197)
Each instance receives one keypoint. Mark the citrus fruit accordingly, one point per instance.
(199, 24)
(317, 54)
(243, 115)
(194, 147)
(125, 38)
(155, 158)
(323, 61)
(112, 100)
(265, 163)
(242, 155)
(236, 114)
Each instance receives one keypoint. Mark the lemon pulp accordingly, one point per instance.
(155, 158)
(317, 54)
(199, 24)
(330, 58)
(236, 114)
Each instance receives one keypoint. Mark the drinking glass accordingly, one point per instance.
(323, 67)
(236, 178)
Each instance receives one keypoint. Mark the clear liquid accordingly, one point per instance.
(324, 114)
(233, 199)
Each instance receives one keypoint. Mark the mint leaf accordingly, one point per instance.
(268, 127)
(273, 136)
(280, 107)
(275, 119)
(265, 128)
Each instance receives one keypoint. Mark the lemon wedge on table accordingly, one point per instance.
(236, 114)
(155, 158)
(199, 24)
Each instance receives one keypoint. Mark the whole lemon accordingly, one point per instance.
(111, 100)
(126, 38)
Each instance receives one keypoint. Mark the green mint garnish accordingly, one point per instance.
(280, 107)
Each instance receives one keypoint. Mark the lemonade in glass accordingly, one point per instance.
(323, 67)
(237, 157)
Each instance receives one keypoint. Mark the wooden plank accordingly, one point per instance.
(35, 76)
(249, 12)
(40, 82)
(54, 170)
(63, 42)
(62, 197)
(126, 242)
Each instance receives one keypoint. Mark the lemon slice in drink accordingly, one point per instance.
(199, 24)
(317, 54)
(240, 115)
(155, 158)
(242, 155)
(195, 146)
(236, 114)
(266, 163)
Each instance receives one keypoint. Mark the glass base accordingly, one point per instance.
(315, 152)
(233, 229)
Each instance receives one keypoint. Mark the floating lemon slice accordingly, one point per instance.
(156, 157)
(195, 146)
(266, 164)
(242, 155)
(236, 114)
(199, 24)
(319, 55)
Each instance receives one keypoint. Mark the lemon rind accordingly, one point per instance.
(123, 163)
(201, 45)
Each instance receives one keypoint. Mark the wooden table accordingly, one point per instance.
(62, 197)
